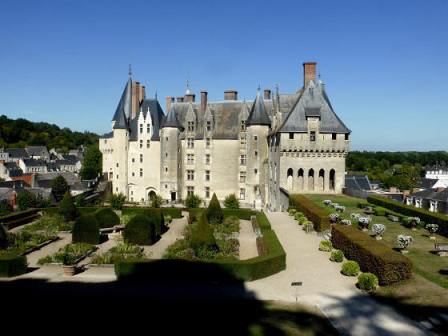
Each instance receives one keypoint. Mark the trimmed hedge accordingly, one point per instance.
(86, 230)
(214, 212)
(12, 265)
(217, 270)
(312, 211)
(407, 210)
(19, 218)
(141, 230)
(157, 213)
(372, 256)
(106, 218)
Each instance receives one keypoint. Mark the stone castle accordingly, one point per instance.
(258, 150)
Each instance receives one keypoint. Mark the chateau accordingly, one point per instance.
(258, 150)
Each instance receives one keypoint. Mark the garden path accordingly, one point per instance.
(248, 240)
(64, 239)
(175, 232)
(351, 311)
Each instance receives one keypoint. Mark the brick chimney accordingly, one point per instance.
(203, 100)
(267, 94)
(231, 95)
(309, 72)
(190, 97)
(168, 101)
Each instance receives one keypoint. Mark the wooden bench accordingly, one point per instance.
(441, 249)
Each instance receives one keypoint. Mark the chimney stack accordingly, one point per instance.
(168, 101)
(231, 95)
(267, 94)
(309, 72)
(189, 97)
(203, 100)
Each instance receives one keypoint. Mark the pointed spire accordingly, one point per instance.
(123, 110)
(130, 71)
(171, 119)
(258, 115)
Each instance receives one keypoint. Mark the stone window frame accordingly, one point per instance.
(190, 190)
(207, 192)
(190, 174)
(242, 193)
(190, 143)
(207, 175)
(242, 159)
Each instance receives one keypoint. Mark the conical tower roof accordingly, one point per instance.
(171, 119)
(123, 111)
(258, 114)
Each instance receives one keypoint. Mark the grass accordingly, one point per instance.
(426, 263)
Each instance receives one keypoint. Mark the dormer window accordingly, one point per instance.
(190, 126)
(346, 136)
(333, 136)
(243, 125)
(312, 136)
(141, 128)
(291, 135)
(209, 125)
(148, 129)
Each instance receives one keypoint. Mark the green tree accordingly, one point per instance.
(67, 208)
(117, 201)
(214, 211)
(193, 201)
(202, 236)
(25, 200)
(156, 201)
(231, 202)
(92, 164)
(59, 187)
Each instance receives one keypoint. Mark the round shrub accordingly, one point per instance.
(379, 211)
(367, 281)
(214, 211)
(86, 230)
(292, 212)
(350, 268)
(107, 218)
(337, 256)
(232, 202)
(3, 237)
(325, 245)
(141, 230)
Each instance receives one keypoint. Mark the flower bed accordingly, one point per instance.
(118, 253)
(19, 218)
(70, 254)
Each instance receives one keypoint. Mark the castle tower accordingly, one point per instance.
(257, 125)
(170, 167)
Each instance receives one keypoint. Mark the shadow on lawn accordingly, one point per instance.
(168, 303)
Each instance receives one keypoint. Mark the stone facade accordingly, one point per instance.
(252, 149)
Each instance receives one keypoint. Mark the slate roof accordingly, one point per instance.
(313, 101)
(432, 194)
(17, 153)
(123, 110)
(357, 182)
(107, 135)
(34, 163)
(37, 151)
(258, 115)
(171, 119)
(13, 168)
(157, 117)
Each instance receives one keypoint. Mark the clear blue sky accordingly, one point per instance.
(384, 62)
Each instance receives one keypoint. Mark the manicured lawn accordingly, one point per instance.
(425, 263)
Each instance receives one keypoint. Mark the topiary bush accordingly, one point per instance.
(379, 211)
(86, 230)
(214, 212)
(193, 201)
(325, 245)
(106, 218)
(367, 281)
(117, 201)
(337, 256)
(231, 202)
(350, 268)
(202, 236)
(67, 208)
(316, 214)
(292, 211)
(3, 237)
(141, 230)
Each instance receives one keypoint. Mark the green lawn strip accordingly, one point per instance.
(425, 263)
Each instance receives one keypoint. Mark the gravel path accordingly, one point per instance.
(64, 239)
(248, 241)
(175, 232)
(351, 311)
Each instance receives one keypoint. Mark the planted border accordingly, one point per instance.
(407, 210)
(12, 265)
(312, 211)
(19, 218)
(178, 270)
(372, 256)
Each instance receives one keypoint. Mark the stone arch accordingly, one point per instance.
(311, 179)
(300, 179)
(289, 178)
(332, 179)
(321, 180)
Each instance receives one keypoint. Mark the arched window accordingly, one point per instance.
(311, 179)
(289, 178)
(322, 180)
(332, 179)
(300, 176)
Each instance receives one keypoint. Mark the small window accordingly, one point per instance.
(147, 144)
(190, 143)
(148, 129)
(166, 154)
(141, 128)
(207, 192)
(141, 143)
(312, 136)
(207, 159)
(190, 190)
(190, 175)
(207, 175)
(242, 176)
(207, 143)
(333, 136)
(166, 169)
(117, 164)
(209, 125)
(255, 138)
(243, 125)
(166, 138)
(256, 153)
(256, 171)
(346, 136)
(133, 174)
(141, 158)
(291, 135)
(242, 159)
(242, 193)
(141, 172)
(133, 160)
(190, 126)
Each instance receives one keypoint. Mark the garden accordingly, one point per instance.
(397, 248)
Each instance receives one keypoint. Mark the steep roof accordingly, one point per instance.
(313, 102)
(123, 110)
(157, 117)
(17, 153)
(171, 119)
(258, 115)
(37, 150)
